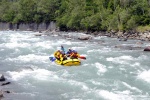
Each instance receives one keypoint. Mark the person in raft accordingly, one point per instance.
(59, 55)
(72, 54)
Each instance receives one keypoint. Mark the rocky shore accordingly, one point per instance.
(124, 36)
(51, 28)
(3, 82)
(143, 36)
(121, 36)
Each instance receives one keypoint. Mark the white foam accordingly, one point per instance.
(114, 96)
(132, 88)
(143, 57)
(2, 49)
(38, 74)
(97, 83)
(121, 59)
(81, 84)
(19, 37)
(18, 40)
(67, 42)
(101, 68)
(136, 64)
(43, 45)
(99, 37)
(61, 41)
(78, 48)
(16, 45)
(145, 75)
(29, 58)
(19, 75)
(93, 50)
(43, 74)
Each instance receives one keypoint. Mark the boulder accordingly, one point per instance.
(123, 39)
(2, 78)
(38, 34)
(7, 91)
(5, 83)
(147, 48)
(84, 37)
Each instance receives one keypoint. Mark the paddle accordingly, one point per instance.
(82, 57)
(62, 48)
(52, 59)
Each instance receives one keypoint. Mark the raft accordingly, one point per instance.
(68, 62)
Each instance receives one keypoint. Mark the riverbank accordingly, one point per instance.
(122, 36)
(28, 27)
(48, 28)
(89, 36)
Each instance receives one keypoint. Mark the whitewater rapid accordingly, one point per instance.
(108, 73)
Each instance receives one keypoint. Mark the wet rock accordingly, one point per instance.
(7, 91)
(139, 43)
(128, 47)
(123, 39)
(147, 49)
(1, 94)
(40, 31)
(38, 34)
(5, 83)
(2, 78)
(84, 37)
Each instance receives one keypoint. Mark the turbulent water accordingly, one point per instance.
(108, 73)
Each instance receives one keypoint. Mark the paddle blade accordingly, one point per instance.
(62, 48)
(82, 57)
(52, 59)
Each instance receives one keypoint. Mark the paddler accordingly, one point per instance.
(72, 54)
(60, 55)
(63, 56)
(69, 52)
(57, 54)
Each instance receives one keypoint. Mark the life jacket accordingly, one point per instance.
(57, 54)
(63, 57)
(70, 52)
(60, 56)
(74, 55)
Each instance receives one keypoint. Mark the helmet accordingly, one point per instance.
(69, 49)
(74, 51)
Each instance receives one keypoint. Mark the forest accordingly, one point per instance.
(86, 15)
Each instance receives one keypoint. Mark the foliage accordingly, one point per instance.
(143, 28)
(88, 15)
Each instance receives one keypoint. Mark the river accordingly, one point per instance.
(108, 73)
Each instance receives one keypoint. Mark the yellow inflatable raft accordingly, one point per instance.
(69, 62)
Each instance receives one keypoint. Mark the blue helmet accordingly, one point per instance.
(74, 51)
(69, 49)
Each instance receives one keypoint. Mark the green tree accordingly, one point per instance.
(47, 10)
(27, 10)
